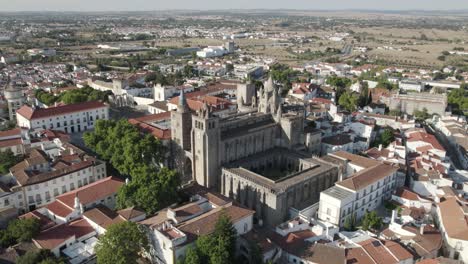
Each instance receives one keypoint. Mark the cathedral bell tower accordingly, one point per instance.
(205, 148)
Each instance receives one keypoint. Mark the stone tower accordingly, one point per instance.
(205, 142)
(246, 91)
(15, 99)
(181, 123)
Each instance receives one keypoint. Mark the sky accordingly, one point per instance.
(150, 5)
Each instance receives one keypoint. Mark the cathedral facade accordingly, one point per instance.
(211, 143)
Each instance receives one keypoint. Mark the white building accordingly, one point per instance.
(38, 179)
(411, 85)
(164, 93)
(212, 51)
(68, 118)
(47, 52)
(452, 215)
(365, 190)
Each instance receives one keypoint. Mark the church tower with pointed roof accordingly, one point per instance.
(181, 123)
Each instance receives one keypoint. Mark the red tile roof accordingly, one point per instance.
(453, 218)
(55, 236)
(10, 142)
(405, 193)
(378, 252)
(364, 178)
(11, 133)
(92, 192)
(30, 113)
(426, 137)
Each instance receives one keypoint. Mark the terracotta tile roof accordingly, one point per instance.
(30, 113)
(425, 137)
(295, 243)
(378, 252)
(44, 221)
(55, 236)
(10, 142)
(144, 124)
(27, 177)
(130, 213)
(397, 250)
(368, 176)
(205, 223)
(453, 218)
(59, 208)
(407, 194)
(321, 100)
(429, 242)
(11, 133)
(355, 159)
(103, 216)
(358, 255)
(92, 192)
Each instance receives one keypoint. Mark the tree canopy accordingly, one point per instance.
(371, 221)
(348, 101)
(421, 115)
(151, 187)
(458, 99)
(42, 256)
(7, 160)
(121, 244)
(385, 138)
(84, 94)
(19, 230)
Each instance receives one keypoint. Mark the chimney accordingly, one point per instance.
(393, 216)
(380, 147)
(421, 229)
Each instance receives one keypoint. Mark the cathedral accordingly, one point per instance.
(256, 155)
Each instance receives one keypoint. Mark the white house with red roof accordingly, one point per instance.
(12, 140)
(418, 140)
(410, 199)
(68, 118)
(73, 204)
(452, 215)
(303, 91)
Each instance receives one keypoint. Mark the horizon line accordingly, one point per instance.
(240, 9)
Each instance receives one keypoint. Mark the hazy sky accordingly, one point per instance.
(123, 5)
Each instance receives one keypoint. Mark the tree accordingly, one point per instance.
(42, 256)
(256, 255)
(350, 222)
(19, 230)
(349, 101)
(192, 256)
(458, 99)
(364, 98)
(140, 157)
(149, 190)
(188, 71)
(421, 115)
(218, 247)
(387, 137)
(395, 112)
(7, 160)
(371, 221)
(121, 243)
